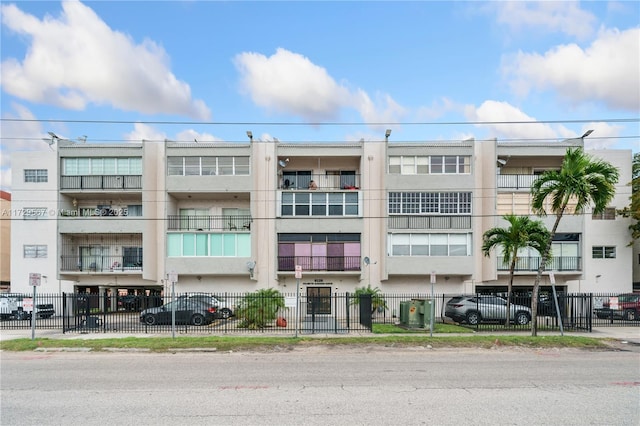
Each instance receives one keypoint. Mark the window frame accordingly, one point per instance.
(36, 175)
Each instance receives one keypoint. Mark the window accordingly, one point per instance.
(208, 166)
(36, 175)
(430, 244)
(603, 252)
(319, 252)
(35, 213)
(430, 203)
(209, 245)
(101, 166)
(35, 251)
(607, 214)
(320, 204)
(430, 164)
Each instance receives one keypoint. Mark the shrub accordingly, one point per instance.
(260, 308)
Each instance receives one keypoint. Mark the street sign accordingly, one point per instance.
(433, 277)
(552, 278)
(173, 277)
(34, 279)
(27, 304)
(298, 271)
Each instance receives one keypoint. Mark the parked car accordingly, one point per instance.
(224, 309)
(628, 308)
(130, 302)
(476, 309)
(188, 311)
(11, 307)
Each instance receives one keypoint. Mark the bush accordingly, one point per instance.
(259, 309)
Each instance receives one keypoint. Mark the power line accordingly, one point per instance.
(319, 123)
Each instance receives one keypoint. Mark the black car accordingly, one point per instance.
(130, 302)
(188, 311)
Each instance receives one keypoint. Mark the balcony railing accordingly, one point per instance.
(105, 182)
(516, 181)
(319, 263)
(99, 263)
(560, 263)
(209, 223)
(322, 181)
(429, 222)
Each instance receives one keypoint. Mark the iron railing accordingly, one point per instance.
(556, 263)
(209, 223)
(429, 222)
(106, 182)
(332, 313)
(319, 263)
(322, 182)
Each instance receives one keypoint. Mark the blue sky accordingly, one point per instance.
(318, 71)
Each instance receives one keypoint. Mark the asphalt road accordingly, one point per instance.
(322, 386)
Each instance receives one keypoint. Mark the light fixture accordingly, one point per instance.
(501, 162)
(250, 135)
(387, 133)
(283, 163)
(251, 265)
(587, 133)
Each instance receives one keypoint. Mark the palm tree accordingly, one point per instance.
(523, 233)
(581, 181)
(377, 297)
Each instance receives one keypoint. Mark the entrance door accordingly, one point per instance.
(318, 300)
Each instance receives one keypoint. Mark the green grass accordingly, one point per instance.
(246, 343)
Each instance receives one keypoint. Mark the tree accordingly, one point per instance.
(633, 211)
(581, 181)
(522, 233)
(259, 308)
(377, 298)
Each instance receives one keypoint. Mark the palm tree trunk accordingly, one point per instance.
(512, 269)
(543, 263)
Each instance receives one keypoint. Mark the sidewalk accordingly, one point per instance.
(627, 334)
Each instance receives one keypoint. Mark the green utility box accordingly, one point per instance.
(416, 313)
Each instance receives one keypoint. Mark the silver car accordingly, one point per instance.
(476, 309)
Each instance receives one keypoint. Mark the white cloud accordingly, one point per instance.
(517, 125)
(25, 134)
(288, 82)
(77, 59)
(607, 71)
(546, 16)
(145, 132)
(191, 135)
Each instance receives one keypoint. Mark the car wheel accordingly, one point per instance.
(197, 319)
(149, 319)
(473, 318)
(522, 318)
(225, 313)
(22, 315)
(630, 315)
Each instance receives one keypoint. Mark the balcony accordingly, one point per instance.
(516, 182)
(101, 263)
(101, 182)
(323, 182)
(319, 263)
(101, 253)
(532, 263)
(209, 223)
(429, 222)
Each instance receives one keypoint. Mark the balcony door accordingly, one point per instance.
(94, 258)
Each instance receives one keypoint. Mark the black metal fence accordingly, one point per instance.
(335, 313)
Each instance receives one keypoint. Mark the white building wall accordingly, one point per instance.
(42, 231)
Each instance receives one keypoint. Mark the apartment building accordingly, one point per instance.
(236, 217)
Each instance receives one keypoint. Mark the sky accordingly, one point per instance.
(329, 71)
